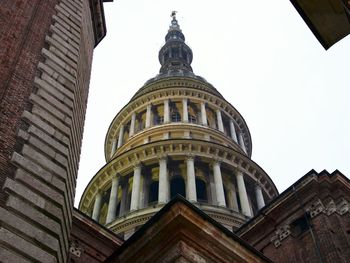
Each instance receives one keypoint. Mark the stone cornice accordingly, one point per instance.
(137, 139)
(222, 215)
(176, 81)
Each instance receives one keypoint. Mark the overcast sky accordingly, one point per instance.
(260, 56)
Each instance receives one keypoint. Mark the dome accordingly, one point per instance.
(177, 135)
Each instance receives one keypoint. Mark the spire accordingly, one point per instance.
(175, 56)
(174, 25)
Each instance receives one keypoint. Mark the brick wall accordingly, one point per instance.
(46, 53)
(90, 242)
(310, 224)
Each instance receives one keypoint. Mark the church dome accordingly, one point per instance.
(177, 135)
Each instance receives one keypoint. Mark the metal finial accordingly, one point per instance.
(173, 15)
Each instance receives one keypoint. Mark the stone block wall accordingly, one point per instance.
(46, 52)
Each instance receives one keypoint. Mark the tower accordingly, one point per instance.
(46, 54)
(177, 135)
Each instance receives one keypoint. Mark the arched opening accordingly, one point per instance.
(153, 192)
(201, 188)
(177, 186)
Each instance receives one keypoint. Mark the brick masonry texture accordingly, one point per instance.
(46, 52)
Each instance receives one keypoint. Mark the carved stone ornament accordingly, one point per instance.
(280, 234)
(340, 206)
(75, 249)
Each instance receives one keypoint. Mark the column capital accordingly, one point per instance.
(257, 184)
(137, 164)
(217, 161)
(239, 172)
(115, 176)
(163, 157)
(190, 156)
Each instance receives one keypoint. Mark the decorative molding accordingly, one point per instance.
(340, 206)
(280, 234)
(75, 249)
(328, 207)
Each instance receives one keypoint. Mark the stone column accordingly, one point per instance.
(204, 114)
(219, 187)
(259, 196)
(135, 192)
(113, 200)
(241, 142)
(97, 207)
(148, 116)
(163, 189)
(132, 125)
(125, 188)
(232, 197)
(219, 118)
(233, 131)
(142, 193)
(242, 192)
(191, 180)
(166, 111)
(114, 146)
(121, 133)
(184, 110)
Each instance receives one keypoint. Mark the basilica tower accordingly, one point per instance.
(177, 135)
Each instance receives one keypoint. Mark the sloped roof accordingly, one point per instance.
(182, 231)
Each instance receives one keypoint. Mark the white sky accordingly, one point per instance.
(261, 57)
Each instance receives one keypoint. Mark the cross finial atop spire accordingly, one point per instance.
(173, 15)
(174, 25)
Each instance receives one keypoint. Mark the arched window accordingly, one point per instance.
(177, 186)
(153, 192)
(201, 188)
(175, 117)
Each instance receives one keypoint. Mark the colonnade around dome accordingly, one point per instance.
(177, 106)
(138, 182)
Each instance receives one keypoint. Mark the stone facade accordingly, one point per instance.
(46, 54)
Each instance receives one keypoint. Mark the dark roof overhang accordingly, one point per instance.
(98, 19)
(327, 19)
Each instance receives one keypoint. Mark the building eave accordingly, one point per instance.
(98, 19)
(328, 20)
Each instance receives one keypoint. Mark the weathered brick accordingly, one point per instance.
(46, 48)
